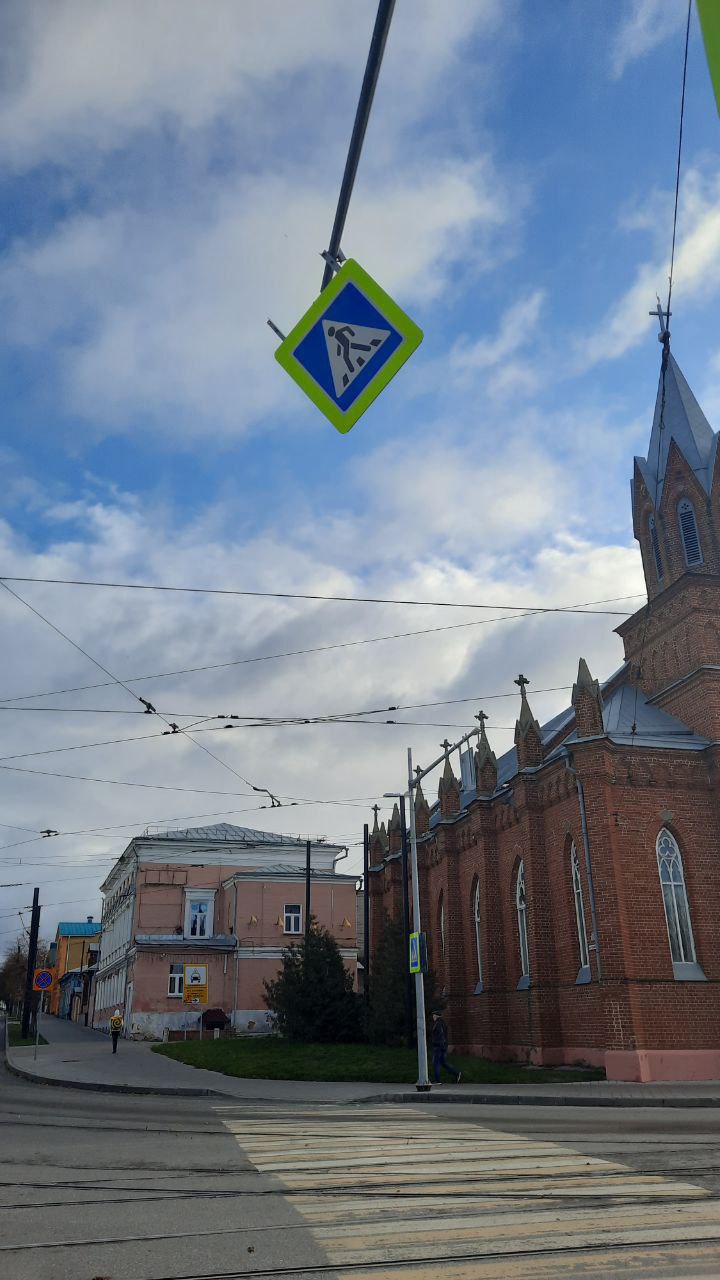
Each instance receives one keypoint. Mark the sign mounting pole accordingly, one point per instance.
(362, 115)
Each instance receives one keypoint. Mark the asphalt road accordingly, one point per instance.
(130, 1188)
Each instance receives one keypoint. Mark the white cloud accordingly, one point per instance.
(696, 275)
(160, 314)
(645, 25)
(442, 525)
(94, 75)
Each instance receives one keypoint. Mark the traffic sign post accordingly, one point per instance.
(348, 346)
(44, 979)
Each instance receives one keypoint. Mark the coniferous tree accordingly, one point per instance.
(312, 998)
(387, 1014)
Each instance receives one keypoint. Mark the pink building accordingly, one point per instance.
(224, 897)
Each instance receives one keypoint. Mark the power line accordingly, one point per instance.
(323, 648)
(148, 706)
(299, 595)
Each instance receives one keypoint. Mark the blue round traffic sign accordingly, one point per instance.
(43, 979)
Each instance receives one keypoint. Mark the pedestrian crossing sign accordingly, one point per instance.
(415, 953)
(348, 346)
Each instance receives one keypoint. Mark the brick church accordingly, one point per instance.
(570, 890)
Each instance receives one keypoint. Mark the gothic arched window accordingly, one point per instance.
(655, 544)
(478, 933)
(675, 901)
(689, 533)
(579, 909)
(521, 906)
(441, 921)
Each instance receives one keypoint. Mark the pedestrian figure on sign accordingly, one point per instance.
(115, 1028)
(439, 1048)
(342, 334)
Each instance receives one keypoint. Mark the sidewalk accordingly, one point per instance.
(80, 1058)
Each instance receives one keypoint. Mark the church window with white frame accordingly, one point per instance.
(521, 905)
(675, 900)
(579, 909)
(477, 924)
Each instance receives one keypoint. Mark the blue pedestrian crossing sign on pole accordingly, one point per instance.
(415, 953)
(348, 346)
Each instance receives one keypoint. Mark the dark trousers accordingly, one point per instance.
(114, 1035)
(439, 1060)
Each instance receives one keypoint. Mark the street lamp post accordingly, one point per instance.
(423, 1082)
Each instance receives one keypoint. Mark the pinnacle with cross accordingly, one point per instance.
(445, 746)
(521, 681)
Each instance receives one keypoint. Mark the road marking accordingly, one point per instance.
(375, 1187)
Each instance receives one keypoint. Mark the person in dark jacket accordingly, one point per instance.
(439, 1048)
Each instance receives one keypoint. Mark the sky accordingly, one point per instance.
(168, 180)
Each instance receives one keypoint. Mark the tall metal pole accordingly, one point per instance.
(362, 115)
(423, 1083)
(366, 911)
(307, 890)
(32, 956)
(406, 923)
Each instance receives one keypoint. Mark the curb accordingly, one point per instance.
(92, 1087)
(541, 1100)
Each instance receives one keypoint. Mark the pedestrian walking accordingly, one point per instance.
(115, 1028)
(439, 1048)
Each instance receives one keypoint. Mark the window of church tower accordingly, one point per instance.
(584, 974)
(441, 921)
(521, 906)
(478, 935)
(677, 910)
(655, 544)
(689, 534)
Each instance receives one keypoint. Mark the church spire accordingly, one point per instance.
(682, 421)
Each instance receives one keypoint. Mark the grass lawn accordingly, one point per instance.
(15, 1040)
(269, 1058)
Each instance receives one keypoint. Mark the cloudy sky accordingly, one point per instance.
(168, 177)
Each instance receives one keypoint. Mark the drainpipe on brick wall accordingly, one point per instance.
(595, 943)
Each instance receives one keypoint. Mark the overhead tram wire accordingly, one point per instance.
(345, 644)
(304, 595)
(148, 706)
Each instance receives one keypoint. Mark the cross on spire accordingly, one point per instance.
(663, 318)
(446, 746)
(376, 809)
(521, 681)
(482, 717)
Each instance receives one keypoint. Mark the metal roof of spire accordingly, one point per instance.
(686, 424)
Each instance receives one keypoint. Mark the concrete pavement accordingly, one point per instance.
(79, 1057)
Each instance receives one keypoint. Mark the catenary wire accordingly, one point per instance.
(133, 695)
(299, 595)
(294, 653)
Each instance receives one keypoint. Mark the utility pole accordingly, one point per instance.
(32, 957)
(423, 1082)
(366, 911)
(406, 924)
(307, 891)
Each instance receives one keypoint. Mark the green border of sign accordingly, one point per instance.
(415, 968)
(412, 336)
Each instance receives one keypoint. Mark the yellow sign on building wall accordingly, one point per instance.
(195, 984)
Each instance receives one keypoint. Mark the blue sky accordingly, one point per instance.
(168, 177)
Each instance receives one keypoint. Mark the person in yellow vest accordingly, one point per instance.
(116, 1023)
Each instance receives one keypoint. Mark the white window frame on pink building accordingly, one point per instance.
(199, 895)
